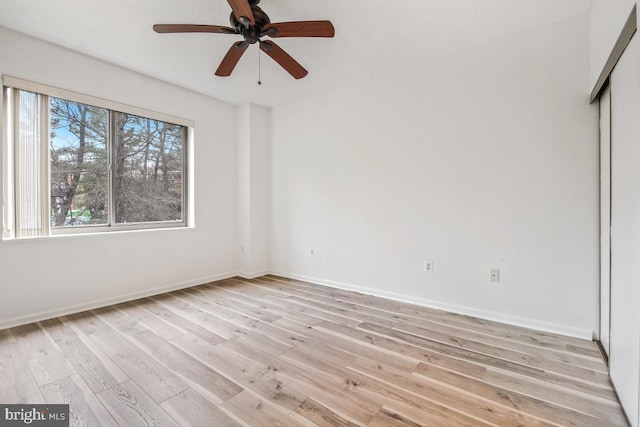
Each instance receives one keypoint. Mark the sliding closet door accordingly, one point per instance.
(605, 216)
(625, 228)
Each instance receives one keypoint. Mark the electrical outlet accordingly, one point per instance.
(428, 266)
(494, 275)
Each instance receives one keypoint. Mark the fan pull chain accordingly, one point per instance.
(259, 69)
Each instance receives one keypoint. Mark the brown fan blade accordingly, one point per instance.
(300, 29)
(231, 59)
(242, 11)
(192, 28)
(283, 58)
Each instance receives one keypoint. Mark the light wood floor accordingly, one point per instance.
(276, 352)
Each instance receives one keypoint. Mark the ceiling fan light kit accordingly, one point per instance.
(252, 23)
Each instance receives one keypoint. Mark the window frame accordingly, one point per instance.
(9, 177)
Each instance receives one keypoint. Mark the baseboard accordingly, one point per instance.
(44, 315)
(482, 314)
(458, 309)
(253, 275)
(603, 353)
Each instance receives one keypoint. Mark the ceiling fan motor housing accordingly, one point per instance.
(252, 34)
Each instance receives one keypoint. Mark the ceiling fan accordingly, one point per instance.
(248, 20)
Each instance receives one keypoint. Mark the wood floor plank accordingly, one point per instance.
(275, 351)
(178, 321)
(599, 408)
(85, 409)
(453, 346)
(98, 373)
(265, 327)
(386, 417)
(255, 411)
(541, 339)
(218, 298)
(524, 403)
(354, 345)
(418, 328)
(151, 376)
(7, 336)
(321, 415)
(320, 387)
(46, 361)
(201, 317)
(473, 405)
(256, 297)
(86, 322)
(295, 306)
(340, 308)
(18, 384)
(130, 406)
(248, 373)
(509, 350)
(429, 415)
(334, 380)
(247, 319)
(136, 310)
(327, 296)
(370, 392)
(329, 354)
(584, 380)
(191, 371)
(412, 313)
(190, 409)
(470, 363)
(272, 339)
(188, 368)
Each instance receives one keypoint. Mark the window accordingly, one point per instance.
(79, 163)
(72, 162)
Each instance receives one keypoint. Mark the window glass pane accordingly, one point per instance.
(79, 164)
(148, 169)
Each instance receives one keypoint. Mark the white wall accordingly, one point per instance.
(44, 277)
(606, 21)
(485, 159)
(254, 157)
(625, 228)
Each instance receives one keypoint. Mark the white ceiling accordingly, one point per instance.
(371, 37)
